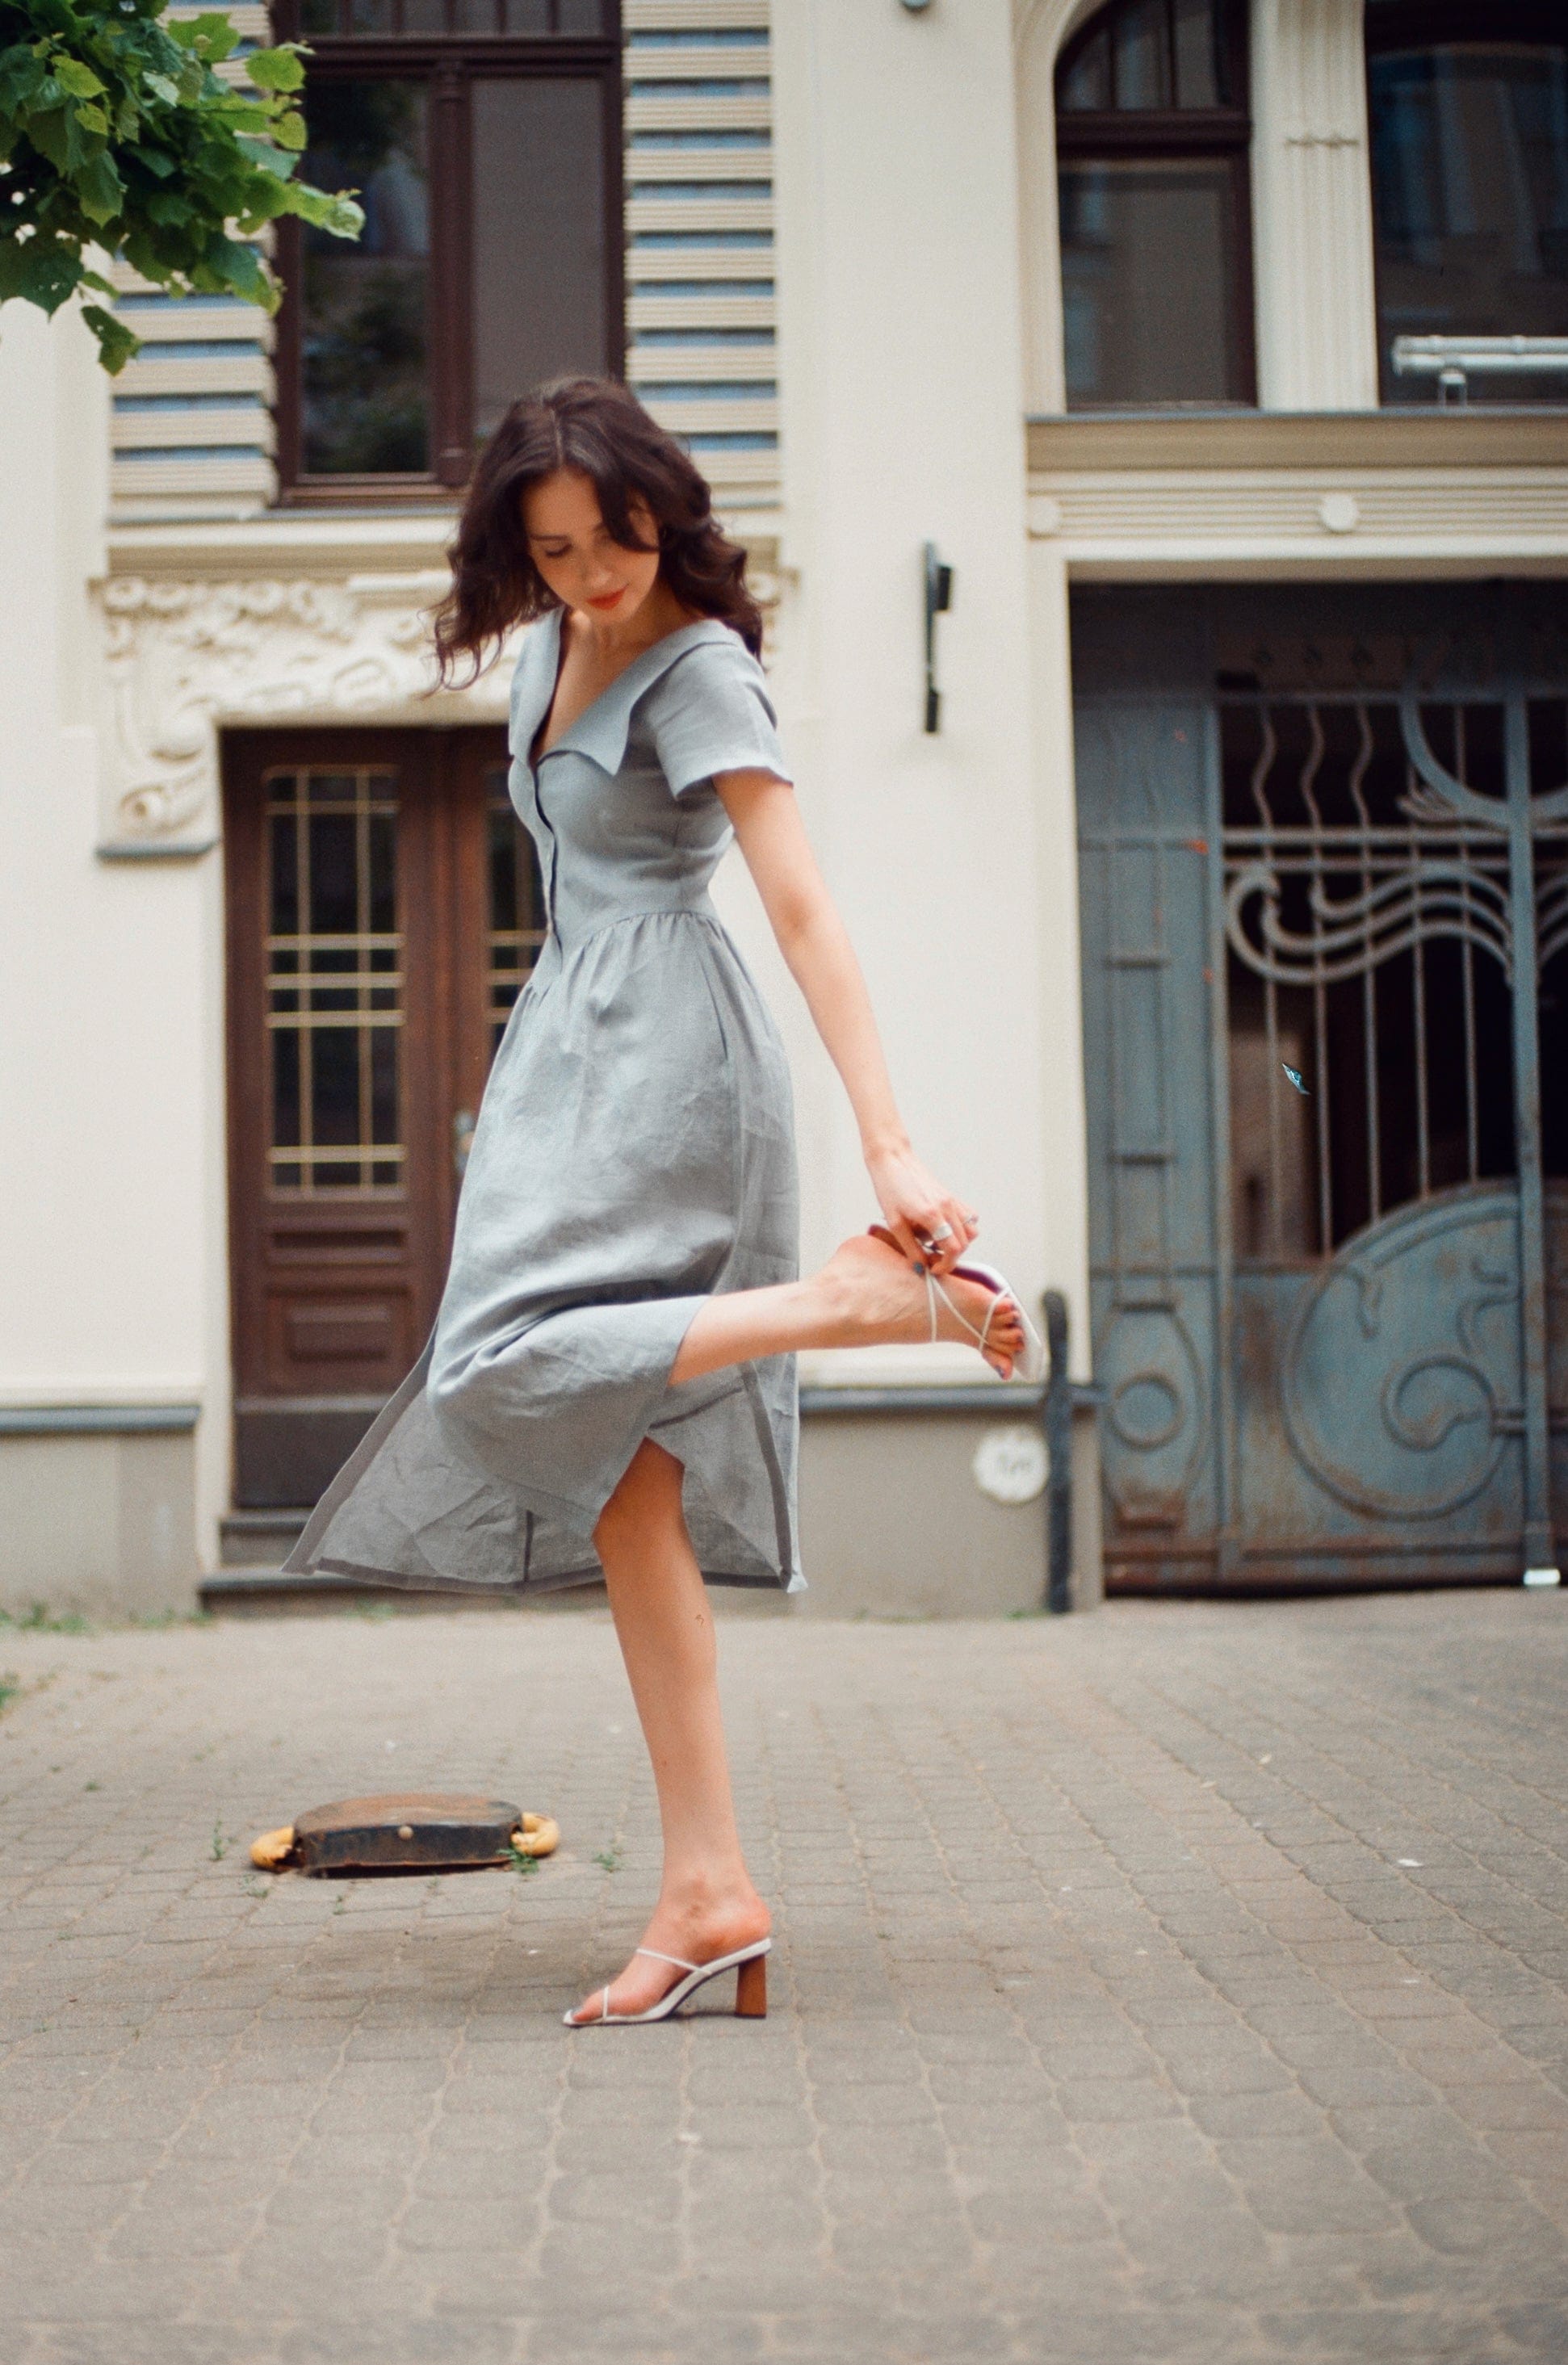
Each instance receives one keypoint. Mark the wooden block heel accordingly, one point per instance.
(750, 1989)
(748, 1964)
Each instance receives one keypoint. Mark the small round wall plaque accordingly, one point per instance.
(1011, 1465)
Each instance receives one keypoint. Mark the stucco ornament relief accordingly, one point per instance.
(183, 658)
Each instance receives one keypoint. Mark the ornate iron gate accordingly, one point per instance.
(1325, 880)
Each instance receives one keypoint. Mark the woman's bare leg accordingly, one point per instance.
(867, 1294)
(707, 1904)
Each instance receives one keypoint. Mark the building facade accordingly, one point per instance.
(1219, 929)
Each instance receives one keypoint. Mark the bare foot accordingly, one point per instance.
(878, 1299)
(694, 1931)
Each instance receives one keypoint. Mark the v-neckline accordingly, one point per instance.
(538, 754)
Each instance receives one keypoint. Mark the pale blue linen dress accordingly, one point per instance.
(635, 1153)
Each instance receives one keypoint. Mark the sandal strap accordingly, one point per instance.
(676, 1959)
(959, 1315)
(995, 1300)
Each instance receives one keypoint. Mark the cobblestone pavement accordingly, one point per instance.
(1183, 1982)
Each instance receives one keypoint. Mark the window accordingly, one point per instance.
(1469, 115)
(484, 137)
(1152, 133)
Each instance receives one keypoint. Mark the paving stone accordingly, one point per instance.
(1093, 2042)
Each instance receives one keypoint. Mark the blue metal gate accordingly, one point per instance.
(1324, 850)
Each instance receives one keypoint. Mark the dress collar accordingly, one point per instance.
(600, 731)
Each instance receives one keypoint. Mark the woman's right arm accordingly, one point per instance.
(815, 945)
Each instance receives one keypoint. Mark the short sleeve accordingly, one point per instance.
(710, 713)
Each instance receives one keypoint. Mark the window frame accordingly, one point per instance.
(447, 64)
(1091, 135)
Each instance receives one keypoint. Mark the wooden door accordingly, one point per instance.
(382, 910)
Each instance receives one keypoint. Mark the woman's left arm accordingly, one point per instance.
(815, 945)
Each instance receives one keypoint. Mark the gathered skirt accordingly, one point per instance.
(634, 1155)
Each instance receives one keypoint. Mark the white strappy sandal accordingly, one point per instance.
(1030, 1365)
(751, 1988)
(1030, 1362)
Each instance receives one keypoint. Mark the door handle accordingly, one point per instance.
(462, 1141)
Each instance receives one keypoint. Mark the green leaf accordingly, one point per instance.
(22, 76)
(93, 118)
(241, 114)
(162, 165)
(267, 157)
(278, 69)
(162, 87)
(210, 35)
(12, 257)
(290, 130)
(49, 274)
(76, 78)
(117, 345)
(337, 215)
(100, 192)
(164, 207)
(238, 268)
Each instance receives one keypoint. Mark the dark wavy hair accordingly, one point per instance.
(594, 425)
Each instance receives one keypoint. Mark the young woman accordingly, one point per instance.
(610, 1388)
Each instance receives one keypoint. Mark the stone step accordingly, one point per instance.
(260, 1592)
(259, 1539)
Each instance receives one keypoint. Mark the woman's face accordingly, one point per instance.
(577, 555)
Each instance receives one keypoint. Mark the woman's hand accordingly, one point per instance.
(917, 1208)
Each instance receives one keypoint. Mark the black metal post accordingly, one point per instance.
(938, 600)
(1056, 1416)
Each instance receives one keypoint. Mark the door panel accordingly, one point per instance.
(363, 909)
(1154, 1239)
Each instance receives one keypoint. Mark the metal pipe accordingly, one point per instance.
(1480, 356)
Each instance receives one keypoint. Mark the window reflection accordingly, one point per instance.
(1470, 171)
(363, 332)
(538, 238)
(1147, 263)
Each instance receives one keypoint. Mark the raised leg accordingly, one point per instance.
(707, 1903)
(865, 1295)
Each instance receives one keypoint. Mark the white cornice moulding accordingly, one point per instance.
(1174, 516)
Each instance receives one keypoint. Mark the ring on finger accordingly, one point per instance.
(943, 1232)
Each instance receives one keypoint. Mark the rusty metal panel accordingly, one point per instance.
(1144, 797)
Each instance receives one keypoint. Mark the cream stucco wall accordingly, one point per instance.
(111, 1290)
(901, 367)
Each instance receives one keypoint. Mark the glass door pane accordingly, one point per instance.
(334, 982)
